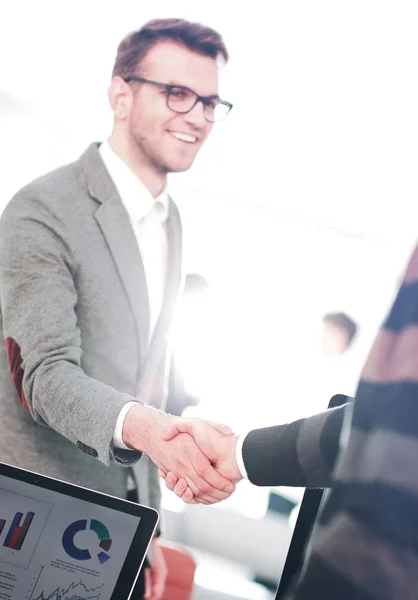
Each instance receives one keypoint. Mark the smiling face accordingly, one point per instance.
(154, 135)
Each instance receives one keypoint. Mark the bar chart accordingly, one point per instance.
(18, 531)
(22, 520)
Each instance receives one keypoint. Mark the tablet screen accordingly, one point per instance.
(58, 547)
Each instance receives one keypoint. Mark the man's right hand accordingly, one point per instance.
(216, 441)
(145, 429)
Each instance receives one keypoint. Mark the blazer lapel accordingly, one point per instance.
(117, 229)
(120, 237)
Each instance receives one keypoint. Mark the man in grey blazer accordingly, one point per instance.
(90, 273)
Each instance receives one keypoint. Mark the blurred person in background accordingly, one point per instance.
(341, 364)
(339, 331)
(329, 363)
(90, 275)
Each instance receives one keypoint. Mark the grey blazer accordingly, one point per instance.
(75, 323)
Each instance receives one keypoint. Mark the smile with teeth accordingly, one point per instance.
(184, 137)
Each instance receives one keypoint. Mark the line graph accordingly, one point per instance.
(75, 591)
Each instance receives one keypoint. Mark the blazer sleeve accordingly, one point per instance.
(38, 301)
(298, 454)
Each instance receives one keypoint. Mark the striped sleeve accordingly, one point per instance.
(365, 546)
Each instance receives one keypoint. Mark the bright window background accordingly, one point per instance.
(304, 201)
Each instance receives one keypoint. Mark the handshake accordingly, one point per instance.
(217, 474)
(196, 458)
(202, 461)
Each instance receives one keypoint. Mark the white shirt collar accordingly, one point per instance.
(135, 197)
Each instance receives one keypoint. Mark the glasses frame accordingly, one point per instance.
(168, 87)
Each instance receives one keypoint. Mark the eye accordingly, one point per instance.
(179, 93)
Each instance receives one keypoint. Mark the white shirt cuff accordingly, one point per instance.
(239, 457)
(117, 433)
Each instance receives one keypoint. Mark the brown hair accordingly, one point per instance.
(194, 36)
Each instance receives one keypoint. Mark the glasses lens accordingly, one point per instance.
(181, 100)
(219, 112)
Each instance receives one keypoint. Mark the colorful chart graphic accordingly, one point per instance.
(77, 553)
(75, 591)
(18, 530)
(22, 522)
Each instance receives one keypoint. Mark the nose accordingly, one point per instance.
(196, 116)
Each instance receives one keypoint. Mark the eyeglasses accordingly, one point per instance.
(182, 100)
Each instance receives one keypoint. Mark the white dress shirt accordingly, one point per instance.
(239, 456)
(147, 216)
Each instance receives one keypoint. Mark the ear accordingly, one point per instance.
(120, 97)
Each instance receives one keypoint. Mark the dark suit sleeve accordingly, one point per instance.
(298, 454)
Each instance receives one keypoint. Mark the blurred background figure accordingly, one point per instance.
(341, 364)
(339, 331)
